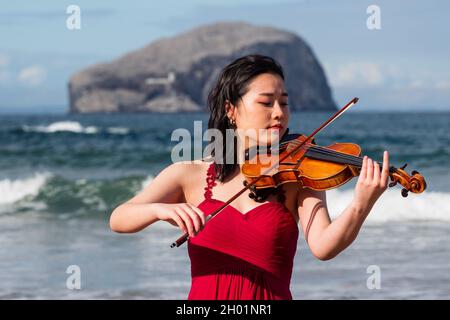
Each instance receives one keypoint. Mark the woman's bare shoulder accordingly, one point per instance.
(190, 166)
(190, 170)
(172, 183)
(193, 179)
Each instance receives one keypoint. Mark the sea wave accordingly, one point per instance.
(391, 206)
(55, 195)
(48, 193)
(14, 190)
(73, 127)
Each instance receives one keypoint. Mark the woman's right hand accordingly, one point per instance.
(188, 217)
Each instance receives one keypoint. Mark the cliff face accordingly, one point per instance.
(176, 74)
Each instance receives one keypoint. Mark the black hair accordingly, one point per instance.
(231, 86)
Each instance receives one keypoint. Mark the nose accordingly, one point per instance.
(278, 111)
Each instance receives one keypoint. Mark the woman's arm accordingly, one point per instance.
(327, 239)
(162, 199)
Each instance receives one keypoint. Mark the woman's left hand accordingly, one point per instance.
(372, 182)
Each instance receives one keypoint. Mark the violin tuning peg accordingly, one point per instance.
(414, 172)
(245, 183)
(404, 166)
(392, 184)
(404, 193)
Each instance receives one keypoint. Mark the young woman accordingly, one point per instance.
(247, 250)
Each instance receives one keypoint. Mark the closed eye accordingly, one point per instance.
(268, 104)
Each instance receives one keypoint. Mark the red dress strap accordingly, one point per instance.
(210, 181)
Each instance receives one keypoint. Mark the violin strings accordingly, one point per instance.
(334, 153)
(330, 156)
(337, 154)
(357, 164)
(356, 160)
(348, 155)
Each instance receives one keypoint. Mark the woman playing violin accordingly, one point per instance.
(247, 251)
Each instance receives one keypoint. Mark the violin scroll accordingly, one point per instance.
(415, 183)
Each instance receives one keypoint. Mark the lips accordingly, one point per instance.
(277, 126)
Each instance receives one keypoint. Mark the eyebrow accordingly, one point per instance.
(268, 94)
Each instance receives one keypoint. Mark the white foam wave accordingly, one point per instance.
(61, 126)
(73, 126)
(14, 190)
(391, 206)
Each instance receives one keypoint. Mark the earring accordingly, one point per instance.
(232, 122)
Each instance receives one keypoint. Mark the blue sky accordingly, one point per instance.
(403, 66)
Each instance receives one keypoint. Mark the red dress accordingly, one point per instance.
(241, 256)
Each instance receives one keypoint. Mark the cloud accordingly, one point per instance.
(372, 75)
(32, 76)
(367, 74)
(437, 85)
(388, 86)
(416, 84)
(443, 85)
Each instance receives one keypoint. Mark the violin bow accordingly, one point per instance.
(248, 185)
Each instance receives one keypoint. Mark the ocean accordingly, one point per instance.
(61, 176)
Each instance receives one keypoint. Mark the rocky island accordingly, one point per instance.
(175, 74)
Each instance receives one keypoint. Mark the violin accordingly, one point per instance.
(300, 160)
(318, 168)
